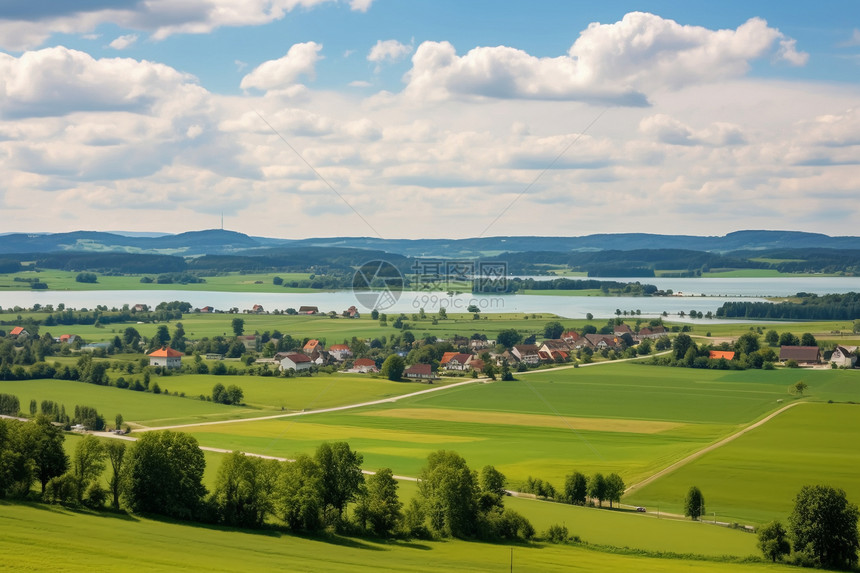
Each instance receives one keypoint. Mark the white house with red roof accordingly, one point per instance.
(419, 372)
(294, 360)
(364, 365)
(456, 361)
(340, 352)
(165, 357)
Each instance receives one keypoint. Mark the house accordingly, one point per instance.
(553, 355)
(309, 310)
(528, 353)
(477, 365)
(311, 345)
(478, 344)
(717, 354)
(206, 309)
(622, 329)
(294, 361)
(459, 361)
(364, 365)
(139, 308)
(601, 341)
(165, 357)
(570, 337)
(257, 309)
(554, 345)
(800, 354)
(419, 372)
(249, 340)
(352, 312)
(652, 332)
(19, 332)
(214, 356)
(340, 352)
(844, 357)
(320, 357)
(66, 338)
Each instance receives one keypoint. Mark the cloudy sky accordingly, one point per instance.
(298, 118)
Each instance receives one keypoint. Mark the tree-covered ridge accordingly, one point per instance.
(810, 307)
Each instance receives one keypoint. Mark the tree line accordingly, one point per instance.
(809, 307)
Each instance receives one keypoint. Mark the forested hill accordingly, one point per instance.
(223, 242)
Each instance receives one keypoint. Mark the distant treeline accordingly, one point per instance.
(811, 307)
(581, 284)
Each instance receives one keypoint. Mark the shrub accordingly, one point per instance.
(557, 534)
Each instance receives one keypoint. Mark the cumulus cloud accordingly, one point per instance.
(360, 5)
(388, 51)
(123, 42)
(300, 60)
(666, 129)
(29, 27)
(620, 63)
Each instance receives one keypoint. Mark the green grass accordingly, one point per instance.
(38, 538)
(553, 415)
(756, 477)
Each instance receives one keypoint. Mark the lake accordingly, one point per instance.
(717, 292)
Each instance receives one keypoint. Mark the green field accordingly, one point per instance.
(756, 477)
(71, 541)
(264, 396)
(626, 418)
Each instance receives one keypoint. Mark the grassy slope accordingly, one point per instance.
(757, 476)
(38, 538)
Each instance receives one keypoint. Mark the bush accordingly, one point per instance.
(557, 534)
(96, 496)
(61, 490)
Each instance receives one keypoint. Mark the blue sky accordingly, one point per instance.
(429, 119)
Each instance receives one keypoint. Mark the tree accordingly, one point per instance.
(219, 393)
(393, 367)
(808, 340)
(340, 473)
(88, 464)
(115, 450)
(118, 420)
(244, 490)
(473, 309)
(856, 328)
(448, 494)
(48, 453)
(508, 338)
(614, 488)
(552, 329)
(747, 343)
(788, 339)
(379, 508)
(823, 524)
(799, 387)
(234, 394)
(694, 503)
(238, 326)
(681, 345)
(492, 481)
(161, 337)
(589, 316)
(771, 337)
(299, 500)
(597, 488)
(575, 488)
(164, 474)
(772, 541)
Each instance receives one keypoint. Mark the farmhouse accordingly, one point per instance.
(843, 357)
(717, 354)
(249, 340)
(651, 332)
(352, 312)
(570, 337)
(309, 310)
(622, 329)
(554, 345)
(527, 353)
(66, 338)
(419, 372)
(456, 361)
(294, 361)
(800, 354)
(206, 309)
(257, 309)
(19, 333)
(312, 345)
(165, 357)
(364, 365)
(340, 352)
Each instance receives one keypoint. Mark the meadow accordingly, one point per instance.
(756, 477)
(66, 541)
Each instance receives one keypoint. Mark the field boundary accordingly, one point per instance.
(695, 455)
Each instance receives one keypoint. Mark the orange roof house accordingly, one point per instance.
(166, 357)
(717, 354)
(311, 345)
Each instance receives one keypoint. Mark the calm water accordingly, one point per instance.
(717, 290)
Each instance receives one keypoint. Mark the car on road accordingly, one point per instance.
(641, 509)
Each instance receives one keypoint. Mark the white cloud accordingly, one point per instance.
(666, 129)
(359, 84)
(621, 63)
(388, 50)
(123, 42)
(300, 60)
(854, 40)
(160, 18)
(360, 5)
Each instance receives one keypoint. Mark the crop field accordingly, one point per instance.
(171, 546)
(756, 477)
(264, 396)
(625, 418)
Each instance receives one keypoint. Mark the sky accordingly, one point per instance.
(420, 119)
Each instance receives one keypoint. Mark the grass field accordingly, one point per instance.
(756, 477)
(630, 419)
(264, 396)
(38, 538)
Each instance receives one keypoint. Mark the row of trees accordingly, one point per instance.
(810, 307)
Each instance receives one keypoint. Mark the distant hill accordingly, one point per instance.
(223, 242)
